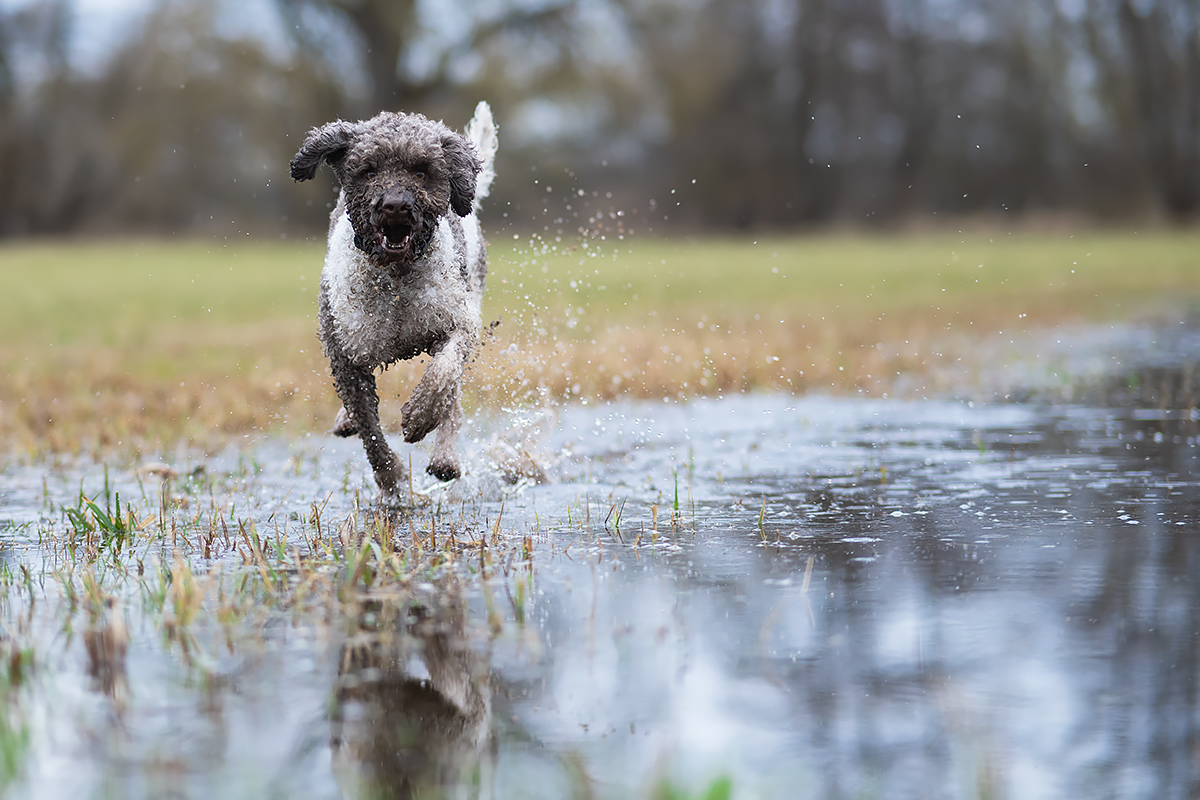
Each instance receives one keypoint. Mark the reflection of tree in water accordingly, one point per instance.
(396, 732)
(1011, 634)
(1128, 581)
(1142, 622)
(1023, 643)
(873, 717)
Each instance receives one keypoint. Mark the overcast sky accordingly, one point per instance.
(100, 25)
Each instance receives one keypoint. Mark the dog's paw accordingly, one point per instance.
(343, 425)
(417, 420)
(443, 470)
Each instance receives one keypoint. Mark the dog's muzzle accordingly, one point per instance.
(395, 223)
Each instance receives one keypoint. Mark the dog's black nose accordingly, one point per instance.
(396, 205)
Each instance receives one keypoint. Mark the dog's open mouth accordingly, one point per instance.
(395, 239)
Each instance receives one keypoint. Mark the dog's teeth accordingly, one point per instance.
(392, 245)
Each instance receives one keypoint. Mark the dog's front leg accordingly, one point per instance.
(435, 398)
(443, 464)
(356, 388)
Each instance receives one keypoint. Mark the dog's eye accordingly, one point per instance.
(419, 174)
(370, 173)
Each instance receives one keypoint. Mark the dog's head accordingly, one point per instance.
(399, 174)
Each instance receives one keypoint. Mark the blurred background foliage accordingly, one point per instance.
(689, 114)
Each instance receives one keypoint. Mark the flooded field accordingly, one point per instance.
(755, 596)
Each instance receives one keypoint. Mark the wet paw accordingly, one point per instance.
(343, 425)
(443, 470)
(417, 421)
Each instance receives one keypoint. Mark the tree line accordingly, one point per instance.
(696, 114)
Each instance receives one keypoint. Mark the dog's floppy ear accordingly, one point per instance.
(327, 143)
(462, 166)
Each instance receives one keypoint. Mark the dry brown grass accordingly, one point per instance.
(141, 345)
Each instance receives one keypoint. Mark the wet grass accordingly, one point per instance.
(186, 558)
(189, 557)
(132, 344)
(214, 574)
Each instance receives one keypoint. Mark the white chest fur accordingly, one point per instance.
(379, 318)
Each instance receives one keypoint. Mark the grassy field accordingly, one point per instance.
(136, 344)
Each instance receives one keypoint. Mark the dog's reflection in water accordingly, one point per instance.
(412, 708)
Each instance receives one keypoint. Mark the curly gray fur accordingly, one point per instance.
(404, 272)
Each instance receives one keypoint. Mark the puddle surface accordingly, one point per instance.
(814, 598)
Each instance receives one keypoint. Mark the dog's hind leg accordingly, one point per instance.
(343, 425)
(356, 387)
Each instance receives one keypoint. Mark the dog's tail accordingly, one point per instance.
(481, 132)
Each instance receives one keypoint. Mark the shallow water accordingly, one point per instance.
(814, 597)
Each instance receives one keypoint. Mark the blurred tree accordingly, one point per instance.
(198, 125)
(182, 129)
(408, 52)
(795, 111)
(1162, 54)
(38, 182)
(714, 113)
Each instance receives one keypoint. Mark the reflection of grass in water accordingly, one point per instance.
(150, 342)
(16, 663)
(720, 789)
